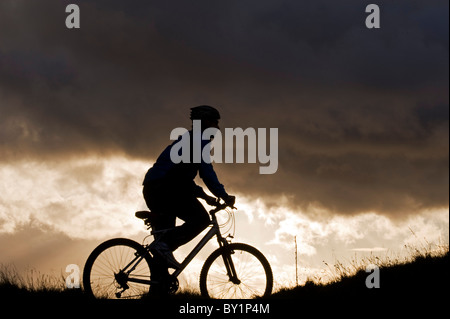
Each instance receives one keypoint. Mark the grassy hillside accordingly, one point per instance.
(423, 280)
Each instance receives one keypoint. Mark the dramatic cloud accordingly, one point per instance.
(362, 114)
(79, 203)
(83, 198)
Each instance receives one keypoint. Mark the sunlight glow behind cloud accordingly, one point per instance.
(85, 198)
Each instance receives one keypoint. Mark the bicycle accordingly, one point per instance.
(121, 268)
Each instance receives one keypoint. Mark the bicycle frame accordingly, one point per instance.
(210, 234)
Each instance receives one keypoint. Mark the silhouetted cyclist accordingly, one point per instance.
(170, 191)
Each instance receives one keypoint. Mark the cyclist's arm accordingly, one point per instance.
(209, 177)
(199, 192)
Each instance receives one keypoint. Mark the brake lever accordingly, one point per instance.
(228, 206)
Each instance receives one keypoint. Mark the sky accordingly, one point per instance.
(362, 117)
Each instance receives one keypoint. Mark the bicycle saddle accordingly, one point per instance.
(147, 216)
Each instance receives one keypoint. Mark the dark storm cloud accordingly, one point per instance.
(362, 114)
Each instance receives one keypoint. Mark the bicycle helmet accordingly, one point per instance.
(204, 112)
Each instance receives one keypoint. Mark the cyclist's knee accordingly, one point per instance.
(200, 222)
(204, 222)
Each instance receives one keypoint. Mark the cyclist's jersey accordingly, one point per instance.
(181, 175)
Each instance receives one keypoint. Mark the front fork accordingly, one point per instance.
(228, 261)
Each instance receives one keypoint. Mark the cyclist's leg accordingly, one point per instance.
(185, 207)
(195, 218)
(156, 202)
(160, 271)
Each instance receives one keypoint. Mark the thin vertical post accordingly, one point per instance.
(296, 263)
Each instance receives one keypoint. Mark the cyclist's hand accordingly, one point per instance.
(230, 200)
(212, 201)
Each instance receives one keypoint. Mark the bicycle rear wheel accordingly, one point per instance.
(103, 275)
(254, 274)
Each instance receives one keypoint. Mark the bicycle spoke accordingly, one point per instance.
(109, 263)
(252, 279)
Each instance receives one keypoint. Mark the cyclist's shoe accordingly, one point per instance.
(163, 250)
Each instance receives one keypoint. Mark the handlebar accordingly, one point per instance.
(220, 206)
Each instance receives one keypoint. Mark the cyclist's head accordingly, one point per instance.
(207, 114)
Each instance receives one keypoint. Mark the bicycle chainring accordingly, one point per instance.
(173, 286)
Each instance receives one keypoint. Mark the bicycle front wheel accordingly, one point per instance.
(115, 270)
(253, 273)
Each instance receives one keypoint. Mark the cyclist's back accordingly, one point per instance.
(181, 175)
